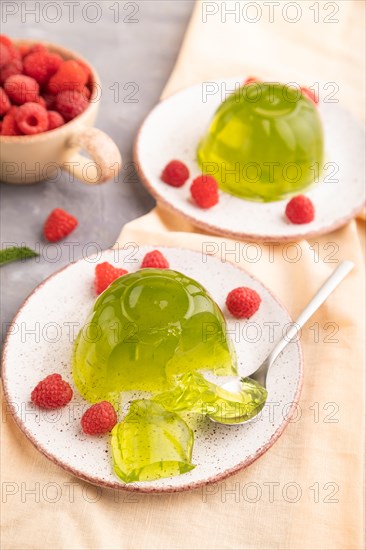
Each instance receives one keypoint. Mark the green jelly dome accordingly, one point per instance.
(264, 143)
(145, 329)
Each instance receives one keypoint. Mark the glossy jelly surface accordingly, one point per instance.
(151, 443)
(193, 393)
(264, 143)
(145, 329)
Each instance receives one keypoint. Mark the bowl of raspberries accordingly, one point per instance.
(49, 100)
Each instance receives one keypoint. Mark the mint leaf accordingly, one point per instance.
(15, 253)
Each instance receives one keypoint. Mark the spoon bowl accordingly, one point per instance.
(260, 374)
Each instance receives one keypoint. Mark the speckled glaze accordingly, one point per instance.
(60, 305)
(338, 196)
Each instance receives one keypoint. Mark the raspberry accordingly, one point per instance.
(99, 419)
(243, 302)
(155, 259)
(21, 88)
(175, 173)
(105, 274)
(31, 118)
(42, 65)
(300, 209)
(50, 101)
(5, 40)
(4, 102)
(10, 69)
(310, 94)
(40, 101)
(9, 126)
(251, 80)
(70, 76)
(205, 191)
(55, 120)
(58, 225)
(52, 392)
(5, 57)
(70, 104)
(8, 52)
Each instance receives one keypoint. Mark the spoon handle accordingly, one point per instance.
(325, 290)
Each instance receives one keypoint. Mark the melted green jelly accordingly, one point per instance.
(264, 143)
(193, 393)
(146, 328)
(151, 443)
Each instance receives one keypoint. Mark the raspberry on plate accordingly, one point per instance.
(300, 210)
(251, 80)
(105, 274)
(55, 120)
(58, 225)
(4, 102)
(52, 392)
(42, 65)
(310, 94)
(243, 302)
(155, 259)
(31, 118)
(99, 419)
(70, 104)
(175, 173)
(205, 191)
(21, 88)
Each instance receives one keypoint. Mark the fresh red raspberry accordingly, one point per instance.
(4, 102)
(37, 48)
(52, 392)
(5, 40)
(10, 69)
(85, 92)
(70, 76)
(70, 104)
(21, 88)
(243, 302)
(99, 419)
(41, 101)
(58, 225)
(251, 80)
(42, 65)
(8, 52)
(205, 191)
(105, 274)
(5, 57)
(310, 94)
(31, 119)
(55, 120)
(175, 173)
(300, 209)
(9, 126)
(155, 259)
(50, 101)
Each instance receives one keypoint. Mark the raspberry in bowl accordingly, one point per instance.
(49, 100)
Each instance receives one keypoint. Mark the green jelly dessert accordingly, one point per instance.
(151, 443)
(193, 393)
(264, 143)
(146, 328)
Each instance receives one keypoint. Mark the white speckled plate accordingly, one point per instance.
(175, 126)
(58, 307)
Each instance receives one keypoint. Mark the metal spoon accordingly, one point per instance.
(260, 375)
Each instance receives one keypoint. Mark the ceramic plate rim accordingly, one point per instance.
(130, 487)
(214, 229)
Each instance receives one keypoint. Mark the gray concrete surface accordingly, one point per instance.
(134, 50)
